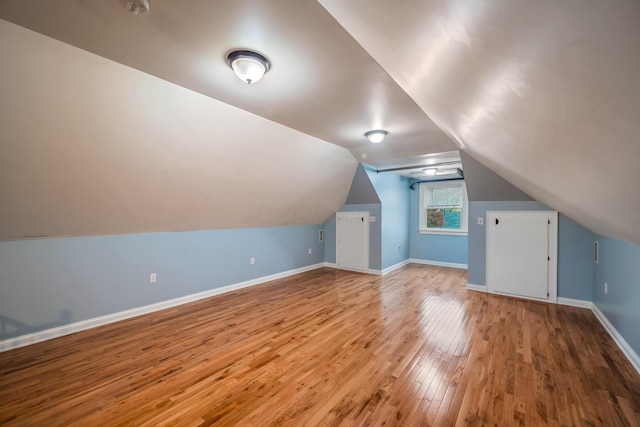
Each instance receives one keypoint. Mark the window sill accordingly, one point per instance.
(445, 232)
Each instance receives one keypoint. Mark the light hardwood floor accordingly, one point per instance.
(328, 347)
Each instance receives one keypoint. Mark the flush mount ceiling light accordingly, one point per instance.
(249, 66)
(376, 136)
(136, 7)
(443, 171)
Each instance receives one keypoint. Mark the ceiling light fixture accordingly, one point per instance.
(448, 171)
(249, 66)
(376, 136)
(136, 7)
(431, 171)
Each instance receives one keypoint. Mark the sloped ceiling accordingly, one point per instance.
(150, 139)
(545, 93)
(89, 146)
(321, 81)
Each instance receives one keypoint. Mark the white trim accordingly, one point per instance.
(60, 331)
(476, 288)
(424, 195)
(444, 232)
(395, 267)
(438, 263)
(580, 303)
(619, 340)
(337, 267)
(505, 294)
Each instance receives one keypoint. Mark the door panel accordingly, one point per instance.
(352, 240)
(518, 253)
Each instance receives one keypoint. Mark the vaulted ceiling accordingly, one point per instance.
(321, 81)
(543, 93)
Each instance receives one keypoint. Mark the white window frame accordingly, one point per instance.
(424, 194)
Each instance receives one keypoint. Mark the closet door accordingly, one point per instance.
(352, 240)
(521, 254)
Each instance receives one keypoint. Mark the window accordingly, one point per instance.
(443, 207)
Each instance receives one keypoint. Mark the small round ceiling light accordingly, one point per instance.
(136, 7)
(249, 66)
(430, 171)
(376, 136)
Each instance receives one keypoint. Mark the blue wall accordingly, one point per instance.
(51, 282)
(433, 247)
(393, 191)
(619, 266)
(575, 260)
(375, 234)
(575, 245)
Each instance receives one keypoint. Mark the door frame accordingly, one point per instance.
(552, 270)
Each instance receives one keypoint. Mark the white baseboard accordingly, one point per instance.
(619, 340)
(438, 263)
(580, 303)
(337, 267)
(82, 325)
(370, 270)
(395, 267)
(476, 288)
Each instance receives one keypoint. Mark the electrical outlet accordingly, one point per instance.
(253, 260)
(480, 220)
(606, 288)
(152, 278)
(309, 251)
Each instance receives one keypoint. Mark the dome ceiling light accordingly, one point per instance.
(376, 136)
(136, 7)
(249, 66)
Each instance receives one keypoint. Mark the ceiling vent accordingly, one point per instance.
(136, 7)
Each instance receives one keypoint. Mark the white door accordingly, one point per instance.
(521, 254)
(352, 240)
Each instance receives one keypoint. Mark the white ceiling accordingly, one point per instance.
(545, 93)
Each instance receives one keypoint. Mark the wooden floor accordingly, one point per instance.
(328, 347)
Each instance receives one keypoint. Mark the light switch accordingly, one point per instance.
(480, 220)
